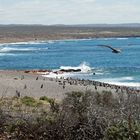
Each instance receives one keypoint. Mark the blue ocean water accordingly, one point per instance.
(122, 68)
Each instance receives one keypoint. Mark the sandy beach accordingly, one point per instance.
(30, 85)
(13, 83)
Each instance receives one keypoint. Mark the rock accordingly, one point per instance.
(70, 70)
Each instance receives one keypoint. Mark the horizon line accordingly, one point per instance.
(73, 24)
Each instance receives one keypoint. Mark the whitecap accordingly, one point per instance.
(9, 54)
(50, 41)
(14, 49)
(130, 84)
(122, 38)
(128, 78)
(54, 75)
(24, 43)
(79, 75)
(119, 79)
(99, 73)
(122, 81)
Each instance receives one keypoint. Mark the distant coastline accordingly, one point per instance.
(16, 41)
(25, 33)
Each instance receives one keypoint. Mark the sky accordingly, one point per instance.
(49, 12)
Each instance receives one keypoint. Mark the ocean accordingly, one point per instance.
(85, 54)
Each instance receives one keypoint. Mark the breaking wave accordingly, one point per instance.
(130, 84)
(122, 38)
(84, 67)
(122, 81)
(119, 79)
(86, 71)
(29, 43)
(18, 49)
(7, 54)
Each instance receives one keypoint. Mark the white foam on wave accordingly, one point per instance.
(69, 74)
(54, 75)
(9, 54)
(13, 49)
(122, 38)
(127, 78)
(106, 38)
(26, 43)
(51, 41)
(119, 79)
(130, 84)
(99, 73)
(122, 81)
(8, 49)
(84, 67)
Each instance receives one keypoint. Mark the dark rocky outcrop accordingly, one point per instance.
(70, 70)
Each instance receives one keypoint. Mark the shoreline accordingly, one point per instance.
(18, 41)
(35, 85)
(59, 74)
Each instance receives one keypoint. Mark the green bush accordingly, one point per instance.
(29, 101)
(45, 98)
(123, 131)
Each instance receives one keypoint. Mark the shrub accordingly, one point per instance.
(29, 101)
(122, 131)
(45, 98)
(81, 115)
(107, 97)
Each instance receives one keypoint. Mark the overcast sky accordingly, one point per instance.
(69, 11)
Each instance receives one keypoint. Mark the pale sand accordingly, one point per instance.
(12, 81)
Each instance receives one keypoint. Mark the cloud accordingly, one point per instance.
(68, 11)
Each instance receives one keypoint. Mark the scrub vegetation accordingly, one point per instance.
(79, 116)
